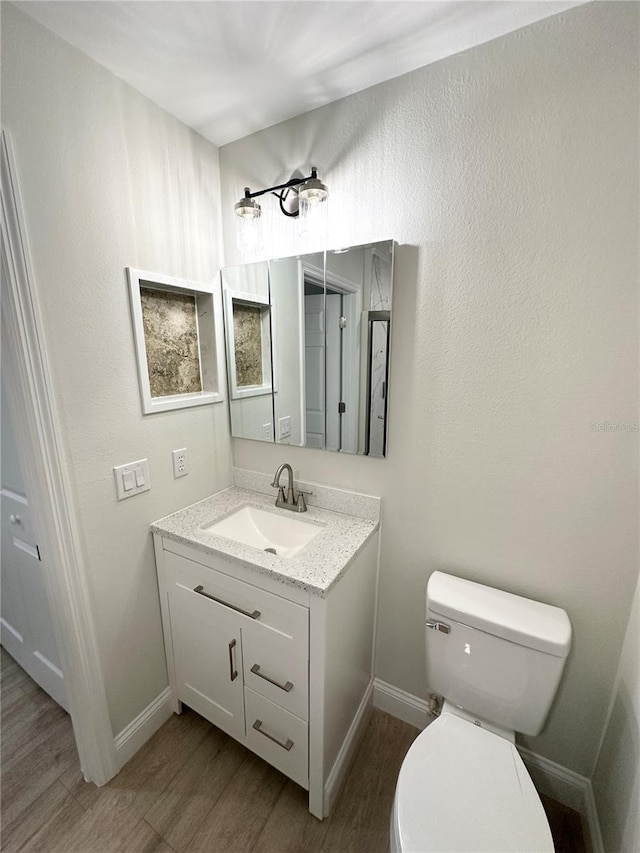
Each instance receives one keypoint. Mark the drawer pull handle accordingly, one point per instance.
(252, 615)
(255, 669)
(258, 727)
(233, 673)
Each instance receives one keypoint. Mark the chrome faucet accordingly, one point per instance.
(290, 500)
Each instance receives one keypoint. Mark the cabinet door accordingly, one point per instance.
(208, 659)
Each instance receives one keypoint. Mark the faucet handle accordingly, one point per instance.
(301, 504)
(281, 498)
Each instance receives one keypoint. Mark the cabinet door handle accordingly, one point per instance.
(258, 727)
(252, 615)
(233, 673)
(255, 669)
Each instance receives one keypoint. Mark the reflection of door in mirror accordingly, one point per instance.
(327, 356)
(314, 353)
(344, 288)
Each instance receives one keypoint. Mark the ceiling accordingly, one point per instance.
(228, 68)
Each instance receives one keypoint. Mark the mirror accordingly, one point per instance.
(308, 342)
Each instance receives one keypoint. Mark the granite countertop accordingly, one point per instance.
(315, 568)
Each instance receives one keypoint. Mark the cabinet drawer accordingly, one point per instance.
(274, 612)
(277, 666)
(277, 736)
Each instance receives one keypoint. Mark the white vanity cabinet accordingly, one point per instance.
(285, 671)
(241, 659)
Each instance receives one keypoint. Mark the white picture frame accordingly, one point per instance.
(267, 319)
(208, 344)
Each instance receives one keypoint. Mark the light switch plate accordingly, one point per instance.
(284, 427)
(267, 432)
(131, 479)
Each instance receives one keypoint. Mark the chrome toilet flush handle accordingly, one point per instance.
(438, 626)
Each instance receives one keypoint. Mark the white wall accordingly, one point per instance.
(616, 781)
(109, 180)
(509, 174)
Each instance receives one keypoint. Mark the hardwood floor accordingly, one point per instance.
(190, 788)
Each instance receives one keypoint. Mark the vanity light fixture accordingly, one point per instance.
(305, 198)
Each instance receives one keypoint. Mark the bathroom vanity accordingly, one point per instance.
(275, 650)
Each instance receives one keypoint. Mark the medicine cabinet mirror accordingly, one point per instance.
(308, 342)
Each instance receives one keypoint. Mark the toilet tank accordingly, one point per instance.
(496, 655)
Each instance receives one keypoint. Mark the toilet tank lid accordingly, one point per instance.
(529, 623)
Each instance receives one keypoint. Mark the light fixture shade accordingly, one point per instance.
(248, 235)
(313, 191)
(248, 231)
(248, 208)
(314, 207)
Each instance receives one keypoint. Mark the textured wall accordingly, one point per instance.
(616, 781)
(509, 174)
(109, 180)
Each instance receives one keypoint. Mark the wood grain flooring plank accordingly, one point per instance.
(25, 780)
(72, 777)
(9, 667)
(144, 839)
(15, 706)
(12, 676)
(290, 827)
(38, 696)
(52, 831)
(101, 829)
(360, 820)
(151, 769)
(13, 835)
(30, 731)
(236, 821)
(180, 810)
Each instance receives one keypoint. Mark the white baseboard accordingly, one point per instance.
(552, 779)
(569, 788)
(555, 781)
(400, 704)
(593, 836)
(147, 723)
(347, 750)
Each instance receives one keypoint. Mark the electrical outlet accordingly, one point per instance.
(180, 462)
(267, 432)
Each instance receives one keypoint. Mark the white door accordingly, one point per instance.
(208, 659)
(314, 369)
(25, 618)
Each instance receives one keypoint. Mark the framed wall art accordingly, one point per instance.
(177, 326)
(250, 323)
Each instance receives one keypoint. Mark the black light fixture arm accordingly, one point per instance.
(281, 191)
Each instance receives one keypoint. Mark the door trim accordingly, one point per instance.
(42, 457)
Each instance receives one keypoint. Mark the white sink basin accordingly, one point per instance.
(281, 532)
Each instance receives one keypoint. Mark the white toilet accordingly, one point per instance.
(496, 659)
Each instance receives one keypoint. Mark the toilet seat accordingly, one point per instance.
(462, 788)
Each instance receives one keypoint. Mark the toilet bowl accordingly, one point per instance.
(463, 788)
(496, 658)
